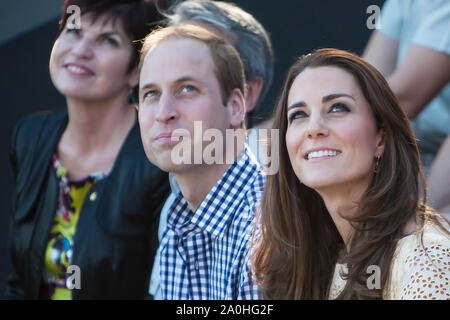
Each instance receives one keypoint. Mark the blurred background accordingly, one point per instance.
(28, 29)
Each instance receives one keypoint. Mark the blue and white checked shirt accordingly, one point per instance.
(205, 254)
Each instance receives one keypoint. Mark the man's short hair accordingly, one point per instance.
(229, 70)
(250, 38)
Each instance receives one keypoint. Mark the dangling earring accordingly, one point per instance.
(132, 98)
(375, 170)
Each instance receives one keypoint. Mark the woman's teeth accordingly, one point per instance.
(322, 153)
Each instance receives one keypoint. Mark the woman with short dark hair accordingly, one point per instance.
(87, 201)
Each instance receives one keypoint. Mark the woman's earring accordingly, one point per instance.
(132, 98)
(375, 170)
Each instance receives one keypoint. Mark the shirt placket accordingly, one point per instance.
(197, 265)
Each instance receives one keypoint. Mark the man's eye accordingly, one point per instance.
(339, 107)
(187, 89)
(150, 94)
(297, 115)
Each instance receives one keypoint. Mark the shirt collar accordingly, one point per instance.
(220, 203)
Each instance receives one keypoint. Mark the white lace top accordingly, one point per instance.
(418, 272)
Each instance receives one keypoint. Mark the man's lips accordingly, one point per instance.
(167, 138)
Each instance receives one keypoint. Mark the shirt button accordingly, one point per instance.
(93, 196)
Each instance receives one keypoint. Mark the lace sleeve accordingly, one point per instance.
(427, 272)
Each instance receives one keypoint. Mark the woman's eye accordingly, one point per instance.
(73, 31)
(297, 115)
(110, 41)
(339, 107)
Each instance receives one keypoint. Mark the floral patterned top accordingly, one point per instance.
(58, 255)
(418, 271)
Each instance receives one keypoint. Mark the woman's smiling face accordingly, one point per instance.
(92, 62)
(332, 137)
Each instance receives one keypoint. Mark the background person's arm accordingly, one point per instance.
(420, 77)
(438, 182)
(381, 51)
(420, 73)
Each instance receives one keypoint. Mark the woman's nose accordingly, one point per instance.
(316, 127)
(82, 48)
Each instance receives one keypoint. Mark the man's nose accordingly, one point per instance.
(166, 109)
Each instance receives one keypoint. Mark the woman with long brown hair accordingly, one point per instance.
(344, 217)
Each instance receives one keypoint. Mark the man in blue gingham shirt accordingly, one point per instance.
(192, 81)
(204, 254)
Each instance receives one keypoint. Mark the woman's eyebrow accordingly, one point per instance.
(336, 95)
(297, 105)
(324, 99)
(111, 33)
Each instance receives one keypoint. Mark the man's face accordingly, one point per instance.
(178, 86)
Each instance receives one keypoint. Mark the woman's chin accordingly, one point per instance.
(319, 183)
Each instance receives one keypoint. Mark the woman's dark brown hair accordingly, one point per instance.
(299, 245)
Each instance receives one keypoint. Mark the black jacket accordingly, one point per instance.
(116, 235)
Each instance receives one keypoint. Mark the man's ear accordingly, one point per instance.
(254, 88)
(236, 108)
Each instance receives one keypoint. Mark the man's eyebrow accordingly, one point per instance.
(336, 95)
(146, 86)
(188, 78)
(297, 105)
(179, 80)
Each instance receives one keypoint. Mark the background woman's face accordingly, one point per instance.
(92, 63)
(332, 138)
